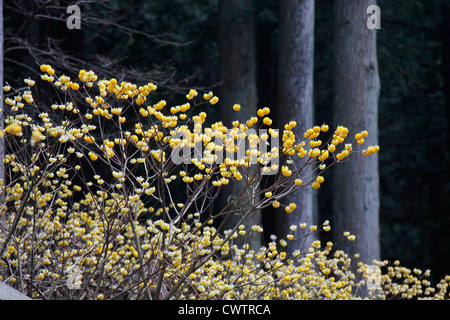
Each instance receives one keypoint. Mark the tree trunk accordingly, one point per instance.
(295, 96)
(237, 59)
(439, 200)
(356, 197)
(2, 141)
(238, 84)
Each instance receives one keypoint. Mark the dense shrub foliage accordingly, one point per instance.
(110, 194)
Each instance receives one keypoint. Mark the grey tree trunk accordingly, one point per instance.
(295, 97)
(238, 85)
(356, 197)
(2, 141)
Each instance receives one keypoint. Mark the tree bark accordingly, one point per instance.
(439, 188)
(295, 96)
(237, 59)
(238, 85)
(356, 196)
(2, 141)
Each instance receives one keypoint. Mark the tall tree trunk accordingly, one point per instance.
(238, 84)
(267, 62)
(441, 187)
(295, 95)
(2, 141)
(356, 197)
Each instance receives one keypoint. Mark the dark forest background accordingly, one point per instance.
(176, 45)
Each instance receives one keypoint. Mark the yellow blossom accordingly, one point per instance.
(208, 95)
(291, 207)
(13, 129)
(93, 156)
(29, 82)
(89, 139)
(267, 121)
(214, 100)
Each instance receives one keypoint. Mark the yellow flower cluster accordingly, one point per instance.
(29, 82)
(90, 202)
(192, 94)
(291, 207)
(79, 237)
(371, 150)
(318, 182)
(403, 283)
(359, 137)
(87, 76)
(13, 129)
(48, 69)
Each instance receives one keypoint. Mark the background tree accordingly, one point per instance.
(237, 70)
(2, 124)
(295, 92)
(441, 204)
(356, 199)
(413, 133)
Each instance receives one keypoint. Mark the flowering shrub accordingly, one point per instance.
(110, 193)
